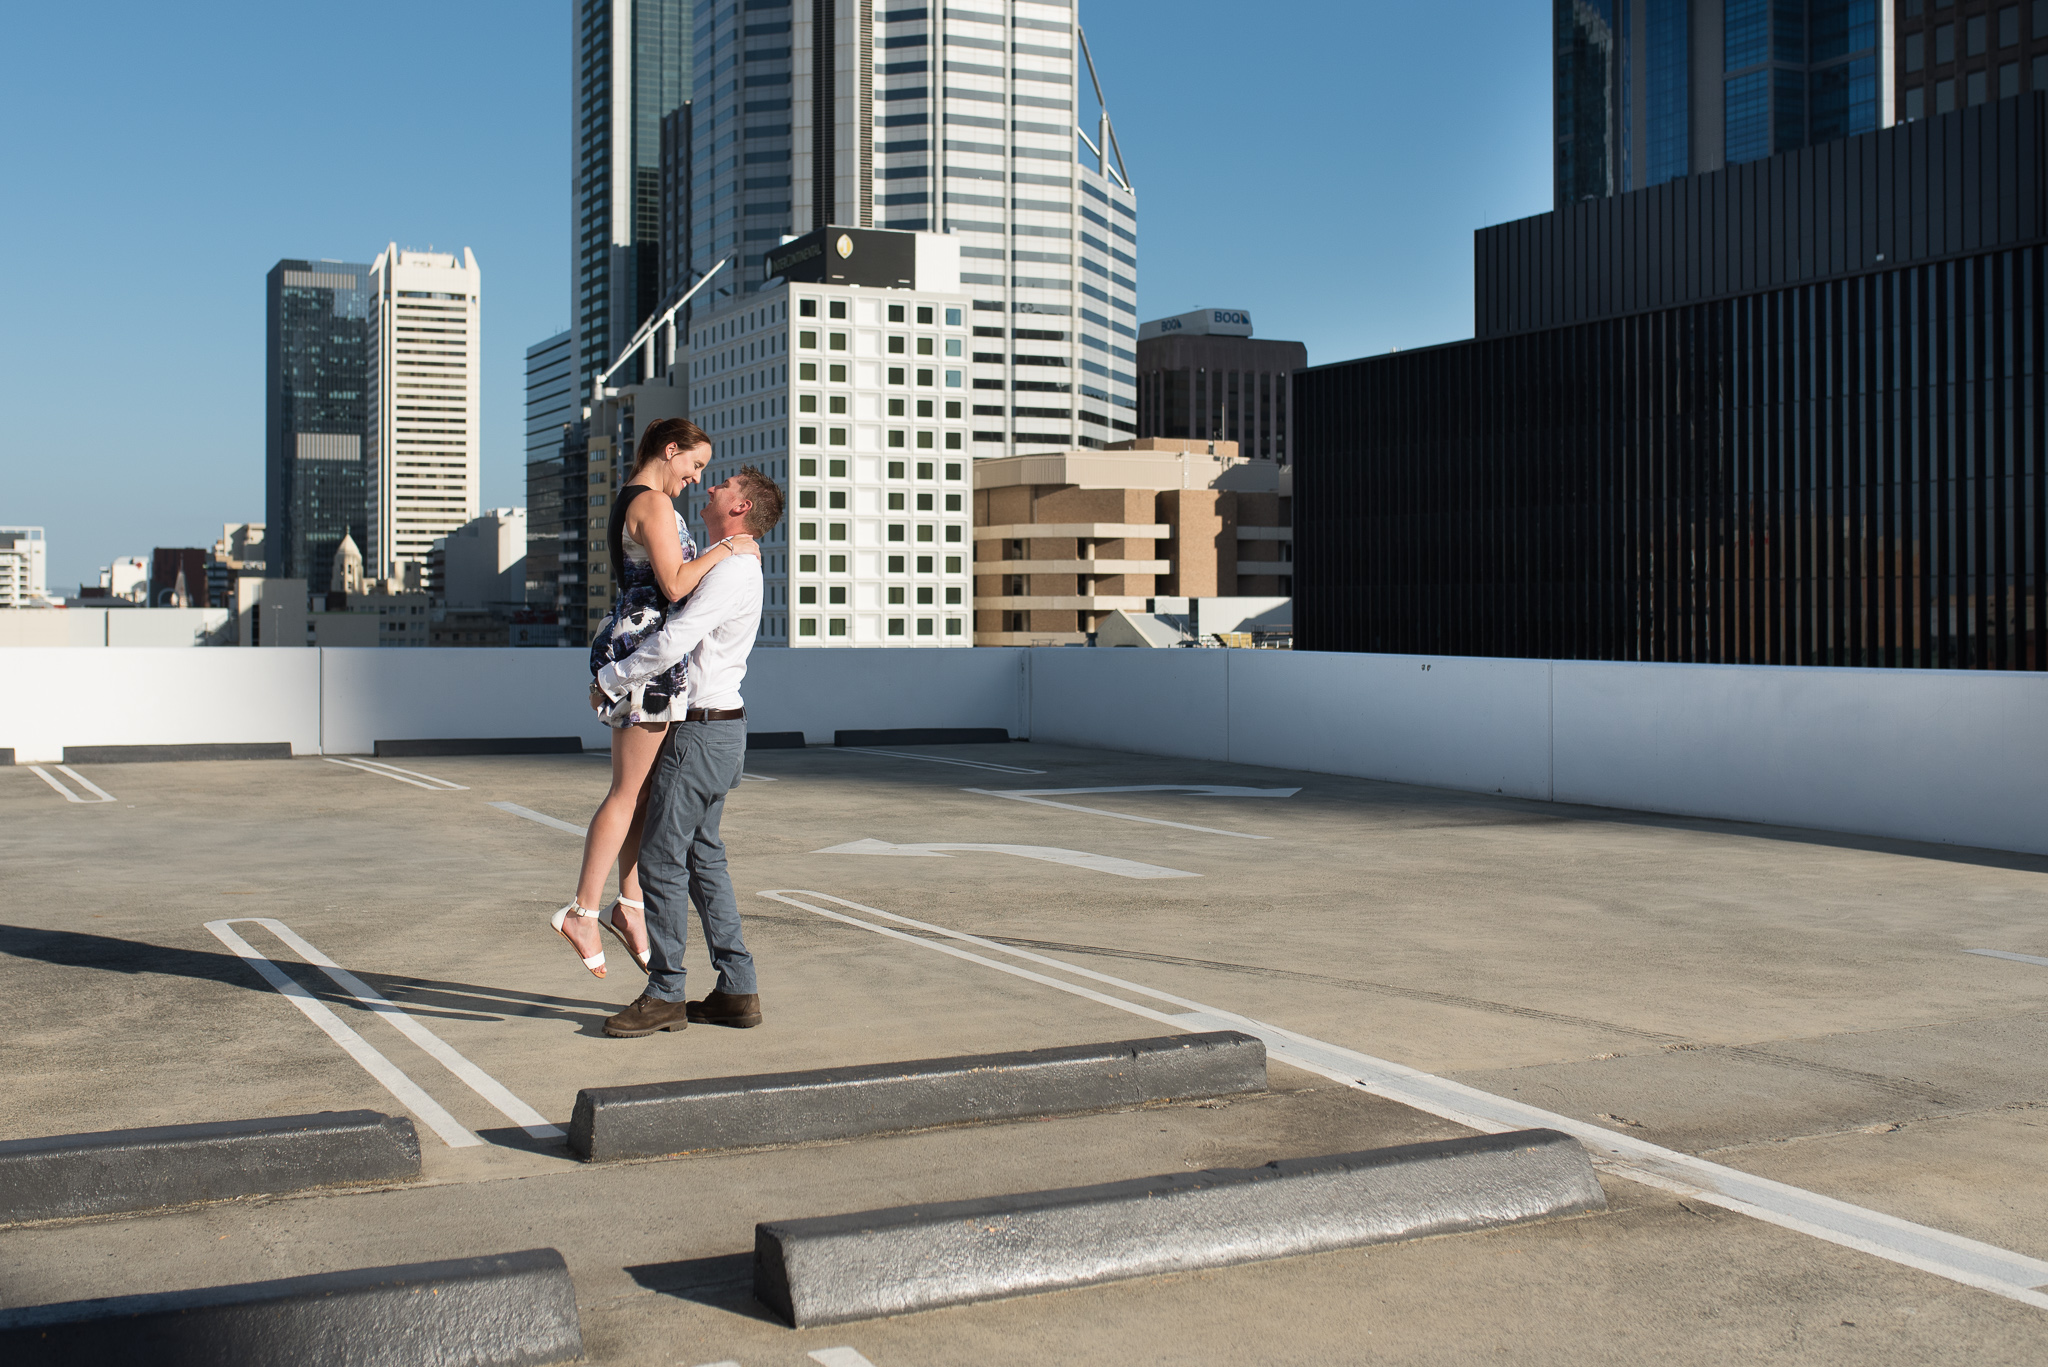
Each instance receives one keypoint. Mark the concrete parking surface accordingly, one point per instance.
(1789, 1004)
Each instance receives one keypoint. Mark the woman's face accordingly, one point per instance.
(686, 467)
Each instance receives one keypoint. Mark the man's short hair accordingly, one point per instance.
(766, 496)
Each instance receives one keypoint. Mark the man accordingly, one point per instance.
(681, 856)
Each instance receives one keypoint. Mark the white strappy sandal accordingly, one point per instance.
(593, 962)
(609, 922)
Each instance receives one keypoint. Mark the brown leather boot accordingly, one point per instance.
(742, 1011)
(647, 1014)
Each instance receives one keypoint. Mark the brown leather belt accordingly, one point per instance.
(716, 714)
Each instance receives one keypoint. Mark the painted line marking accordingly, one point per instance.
(1967, 1261)
(1078, 859)
(542, 817)
(475, 1078)
(408, 1092)
(758, 778)
(933, 759)
(396, 774)
(836, 1357)
(1042, 797)
(2008, 954)
(46, 776)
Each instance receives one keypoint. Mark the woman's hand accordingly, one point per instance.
(742, 544)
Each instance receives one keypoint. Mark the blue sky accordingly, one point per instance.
(1321, 164)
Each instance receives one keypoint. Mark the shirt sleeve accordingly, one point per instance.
(710, 604)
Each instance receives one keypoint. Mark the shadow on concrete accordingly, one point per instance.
(724, 1283)
(429, 998)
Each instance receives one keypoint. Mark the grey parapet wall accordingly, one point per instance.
(658, 1118)
(890, 1262)
(158, 754)
(69, 1175)
(506, 1310)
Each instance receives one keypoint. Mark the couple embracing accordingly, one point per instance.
(668, 661)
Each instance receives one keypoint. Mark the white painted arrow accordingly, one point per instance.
(1079, 859)
(1042, 797)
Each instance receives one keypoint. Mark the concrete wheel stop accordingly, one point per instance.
(837, 1268)
(71, 1175)
(653, 1119)
(507, 1310)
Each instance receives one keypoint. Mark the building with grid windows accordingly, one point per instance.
(845, 381)
(553, 538)
(316, 412)
(1646, 91)
(629, 69)
(1955, 53)
(971, 123)
(422, 447)
(1203, 376)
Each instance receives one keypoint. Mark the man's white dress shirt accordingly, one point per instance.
(715, 630)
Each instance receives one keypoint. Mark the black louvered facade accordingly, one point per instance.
(1844, 465)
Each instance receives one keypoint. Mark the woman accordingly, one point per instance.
(655, 565)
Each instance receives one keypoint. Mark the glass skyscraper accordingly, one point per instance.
(1646, 91)
(316, 414)
(630, 69)
(986, 124)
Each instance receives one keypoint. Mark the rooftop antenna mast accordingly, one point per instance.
(1107, 131)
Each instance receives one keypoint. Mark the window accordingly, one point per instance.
(2041, 18)
(837, 341)
(807, 403)
(807, 563)
(808, 340)
(806, 308)
(952, 626)
(896, 595)
(836, 595)
(838, 308)
(807, 466)
(924, 503)
(1974, 34)
(895, 469)
(1916, 51)
(807, 498)
(836, 563)
(953, 315)
(924, 408)
(924, 377)
(836, 436)
(924, 441)
(953, 381)
(924, 626)
(1944, 96)
(952, 471)
(952, 564)
(953, 408)
(836, 469)
(1944, 43)
(952, 441)
(924, 564)
(807, 370)
(895, 374)
(2009, 26)
(895, 313)
(836, 403)
(2008, 80)
(836, 627)
(895, 346)
(952, 503)
(807, 626)
(895, 438)
(953, 596)
(924, 469)
(836, 500)
(895, 626)
(895, 531)
(924, 346)
(835, 531)
(895, 564)
(2041, 73)
(895, 408)
(952, 346)
(895, 503)
(836, 374)
(806, 596)
(807, 531)
(1978, 87)
(953, 533)
(924, 532)
(924, 596)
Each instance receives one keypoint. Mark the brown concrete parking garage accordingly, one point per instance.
(1799, 1007)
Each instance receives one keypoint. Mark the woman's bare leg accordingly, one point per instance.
(633, 753)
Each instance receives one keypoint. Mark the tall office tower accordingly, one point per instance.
(1646, 91)
(316, 411)
(552, 407)
(630, 66)
(1204, 377)
(1953, 53)
(422, 451)
(972, 123)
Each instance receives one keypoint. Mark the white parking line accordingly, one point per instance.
(542, 817)
(837, 1357)
(1039, 797)
(1077, 859)
(101, 794)
(1967, 1261)
(475, 1078)
(408, 1092)
(398, 775)
(2008, 954)
(933, 759)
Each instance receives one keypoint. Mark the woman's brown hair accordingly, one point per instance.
(660, 433)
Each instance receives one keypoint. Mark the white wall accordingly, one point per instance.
(116, 627)
(1951, 756)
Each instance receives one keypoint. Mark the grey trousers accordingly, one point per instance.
(682, 860)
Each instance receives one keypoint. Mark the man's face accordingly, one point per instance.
(728, 501)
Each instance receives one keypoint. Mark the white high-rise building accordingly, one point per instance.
(985, 124)
(423, 446)
(24, 568)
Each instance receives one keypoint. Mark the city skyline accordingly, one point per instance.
(1216, 126)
